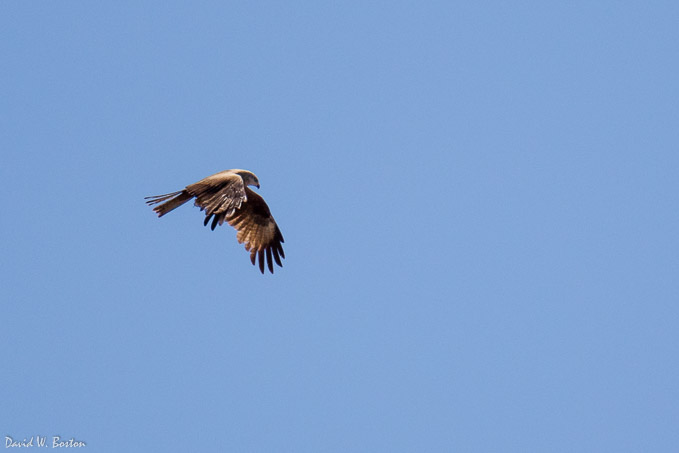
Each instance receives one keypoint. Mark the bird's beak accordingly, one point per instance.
(258, 186)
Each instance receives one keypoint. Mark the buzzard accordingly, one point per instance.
(225, 196)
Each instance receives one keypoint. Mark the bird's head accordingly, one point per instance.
(249, 178)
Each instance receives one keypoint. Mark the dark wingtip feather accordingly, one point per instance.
(276, 257)
(269, 260)
(261, 261)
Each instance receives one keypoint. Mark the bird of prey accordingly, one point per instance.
(225, 196)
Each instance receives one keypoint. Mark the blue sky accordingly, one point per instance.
(479, 202)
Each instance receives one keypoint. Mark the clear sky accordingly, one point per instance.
(479, 202)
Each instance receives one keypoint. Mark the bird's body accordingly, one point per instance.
(225, 196)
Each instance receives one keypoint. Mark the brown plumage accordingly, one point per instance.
(225, 196)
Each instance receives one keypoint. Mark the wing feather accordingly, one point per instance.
(258, 231)
(219, 194)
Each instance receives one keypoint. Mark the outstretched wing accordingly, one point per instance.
(218, 195)
(257, 229)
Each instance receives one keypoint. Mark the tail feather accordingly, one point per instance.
(174, 200)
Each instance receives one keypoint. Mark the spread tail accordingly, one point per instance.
(174, 200)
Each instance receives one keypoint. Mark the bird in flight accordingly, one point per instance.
(225, 196)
